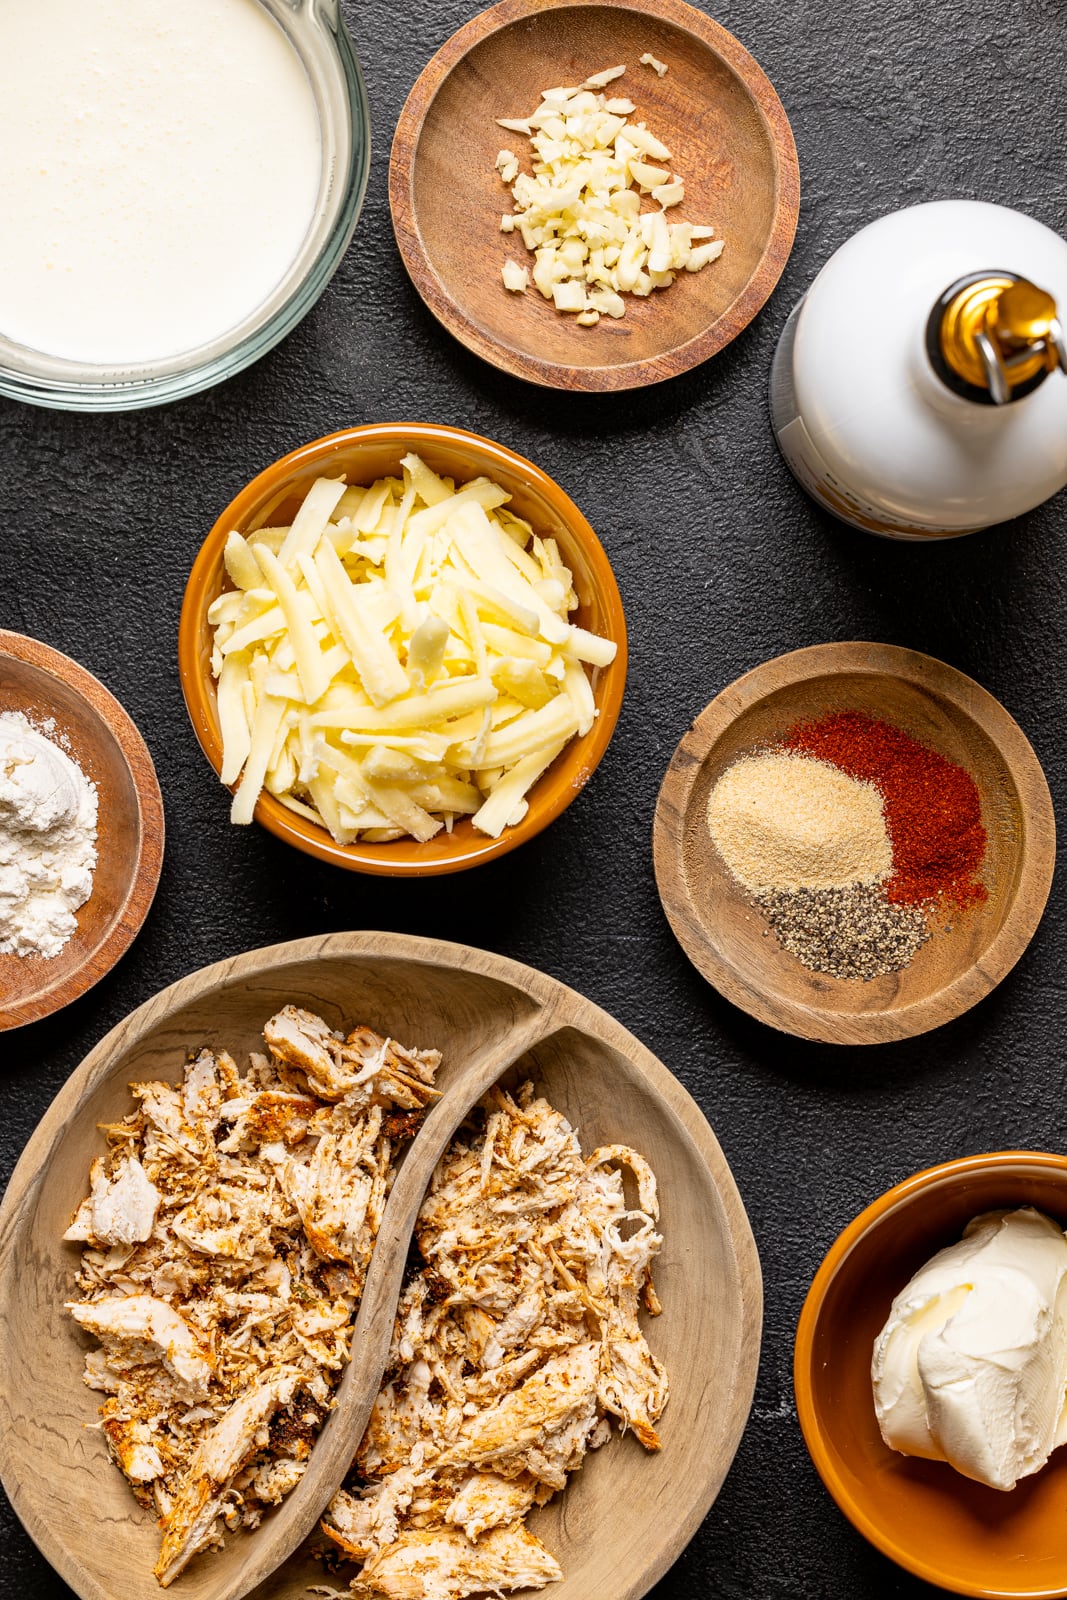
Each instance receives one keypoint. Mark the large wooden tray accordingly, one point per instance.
(627, 1515)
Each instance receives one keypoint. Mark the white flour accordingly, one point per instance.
(47, 840)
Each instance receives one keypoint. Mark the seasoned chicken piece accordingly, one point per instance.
(340, 1192)
(560, 1399)
(202, 1092)
(362, 1527)
(302, 1040)
(188, 1525)
(140, 1316)
(363, 1070)
(517, 1325)
(622, 1155)
(268, 1117)
(442, 1564)
(633, 1386)
(121, 1209)
(134, 1447)
(485, 1500)
(226, 1221)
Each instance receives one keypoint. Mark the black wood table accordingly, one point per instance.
(722, 563)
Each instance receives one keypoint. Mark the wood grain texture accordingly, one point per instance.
(626, 1512)
(729, 139)
(48, 687)
(727, 939)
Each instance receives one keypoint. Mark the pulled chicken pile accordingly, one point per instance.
(227, 1235)
(515, 1343)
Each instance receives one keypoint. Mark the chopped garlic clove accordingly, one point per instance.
(515, 278)
(507, 164)
(703, 254)
(647, 176)
(649, 60)
(588, 319)
(669, 194)
(640, 137)
(600, 80)
(569, 296)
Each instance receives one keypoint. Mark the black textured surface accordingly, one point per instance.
(722, 563)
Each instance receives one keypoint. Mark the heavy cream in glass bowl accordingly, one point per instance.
(178, 180)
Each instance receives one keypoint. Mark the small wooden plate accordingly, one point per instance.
(727, 940)
(627, 1515)
(93, 727)
(729, 139)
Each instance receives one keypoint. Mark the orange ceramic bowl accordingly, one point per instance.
(923, 1514)
(363, 454)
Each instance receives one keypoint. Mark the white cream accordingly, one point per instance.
(971, 1367)
(159, 170)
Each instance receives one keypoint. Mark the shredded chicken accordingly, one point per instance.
(514, 1345)
(227, 1239)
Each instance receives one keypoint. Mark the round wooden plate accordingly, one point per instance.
(727, 940)
(48, 687)
(627, 1515)
(729, 139)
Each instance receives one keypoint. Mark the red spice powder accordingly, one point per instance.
(932, 808)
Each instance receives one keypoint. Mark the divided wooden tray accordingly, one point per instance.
(627, 1515)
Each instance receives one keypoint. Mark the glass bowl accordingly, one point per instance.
(317, 33)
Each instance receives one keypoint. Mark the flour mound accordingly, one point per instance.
(48, 813)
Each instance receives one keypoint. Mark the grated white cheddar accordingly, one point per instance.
(399, 658)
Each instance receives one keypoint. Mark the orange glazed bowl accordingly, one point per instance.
(925, 1515)
(362, 455)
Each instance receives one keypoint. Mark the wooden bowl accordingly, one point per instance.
(725, 937)
(729, 139)
(363, 454)
(923, 1514)
(47, 686)
(626, 1513)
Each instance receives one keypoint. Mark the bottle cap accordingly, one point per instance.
(999, 334)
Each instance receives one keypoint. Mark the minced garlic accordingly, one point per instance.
(579, 211)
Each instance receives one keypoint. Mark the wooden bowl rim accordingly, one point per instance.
(151, 833)
(624, 374)
(808, 1413)
(563, 1008)
(861, 658)
(554, 790)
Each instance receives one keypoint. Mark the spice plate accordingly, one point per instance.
(49, 687)
(728, 940)
(628, 1515)
(729, 138)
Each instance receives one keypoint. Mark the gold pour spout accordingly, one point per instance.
(998, 333)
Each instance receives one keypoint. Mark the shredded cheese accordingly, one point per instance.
(399, 658)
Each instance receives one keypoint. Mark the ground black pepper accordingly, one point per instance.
(847, 933)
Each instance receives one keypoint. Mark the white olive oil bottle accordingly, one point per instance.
(919, 389)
